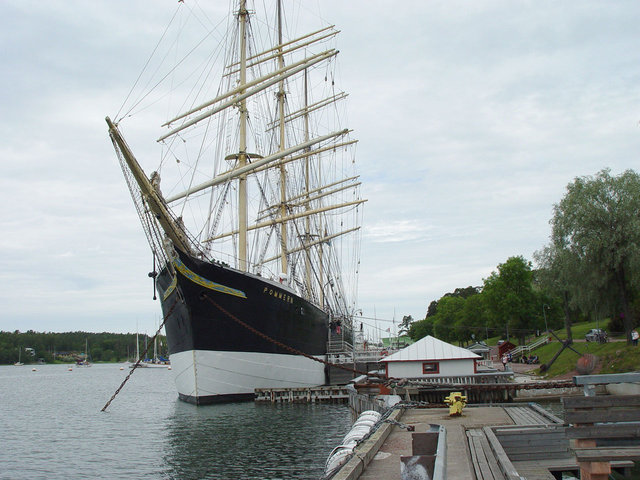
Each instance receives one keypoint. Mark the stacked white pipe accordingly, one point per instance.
(359, 430)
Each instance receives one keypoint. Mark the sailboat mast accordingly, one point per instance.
(242, 154)
(283, 178)
(307, 188)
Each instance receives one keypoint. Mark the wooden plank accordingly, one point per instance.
(549, 417)
(526, 436)
(604, 415)
(474, 454)
(534, 417)
(506, 466)
(525, 416)
(521, 416)
(602, 401)
(619, 430)
(533, 470)
(479, 458)
(601, 454)
(506, 429)
(491, 459)
(550, 447)
(540, 455)
(535, 444)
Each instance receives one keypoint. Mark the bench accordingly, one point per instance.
(603, 429)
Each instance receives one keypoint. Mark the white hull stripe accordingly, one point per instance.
(203, 373)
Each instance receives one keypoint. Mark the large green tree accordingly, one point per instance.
(450, 313)
(510, 298)
(596, 227)
(455, 316)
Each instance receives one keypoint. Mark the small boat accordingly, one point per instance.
(84, 362)
(19, 363)
(157, 361)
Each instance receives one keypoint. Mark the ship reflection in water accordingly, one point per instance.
(250, 441)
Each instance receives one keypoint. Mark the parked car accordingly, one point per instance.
(596, 335)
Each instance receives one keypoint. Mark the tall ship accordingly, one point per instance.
(252, 204)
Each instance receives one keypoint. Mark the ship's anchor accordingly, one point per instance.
(153, 275)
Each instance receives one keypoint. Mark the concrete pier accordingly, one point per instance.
(508, 442)
(385, 464)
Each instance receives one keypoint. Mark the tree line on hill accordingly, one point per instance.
(66, 347)
(589, 270)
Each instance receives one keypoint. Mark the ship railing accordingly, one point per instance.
(365, 356)
(474, 378)
(339, 346)
(485, 363)
(340, 358)
(357, 356)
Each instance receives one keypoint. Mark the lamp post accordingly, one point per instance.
(546, 328)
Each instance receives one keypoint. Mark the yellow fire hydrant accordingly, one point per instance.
(456, 402)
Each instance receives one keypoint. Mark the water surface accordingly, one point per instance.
(52, 427)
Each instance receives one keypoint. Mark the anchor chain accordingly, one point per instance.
(409, 428)
(142, 355)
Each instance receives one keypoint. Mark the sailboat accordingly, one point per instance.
(19, 362)
(155, 362)
(85, 361)
(256, 227)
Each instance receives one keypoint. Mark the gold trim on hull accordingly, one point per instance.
(195, 278)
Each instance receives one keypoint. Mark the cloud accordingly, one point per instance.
(472, 117)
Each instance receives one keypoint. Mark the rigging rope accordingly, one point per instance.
(142, 355)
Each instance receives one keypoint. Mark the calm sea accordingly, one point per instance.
(52, 427)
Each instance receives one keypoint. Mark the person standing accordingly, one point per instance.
(634, 337)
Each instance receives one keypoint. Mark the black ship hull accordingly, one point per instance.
(217, 323)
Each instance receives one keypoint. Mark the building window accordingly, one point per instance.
(430, 367)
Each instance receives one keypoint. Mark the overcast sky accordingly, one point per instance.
(472, 117)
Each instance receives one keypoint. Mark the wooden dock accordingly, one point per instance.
(505, 442)
(321, 394)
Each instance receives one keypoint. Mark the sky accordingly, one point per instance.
(472, 117)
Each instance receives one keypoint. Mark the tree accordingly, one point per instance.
(554, 276)
(450, 313)
(432, 309)
(509, 296)
(476, 319)
(596, 233)
(421, 328)
(405, 325)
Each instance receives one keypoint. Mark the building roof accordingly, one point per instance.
(405, 339)
(479, 347)
(430, 348)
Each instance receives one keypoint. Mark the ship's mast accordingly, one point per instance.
(283, 178)
(242, 153)
(307, 184)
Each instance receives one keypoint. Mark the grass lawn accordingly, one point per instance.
(613, 356)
